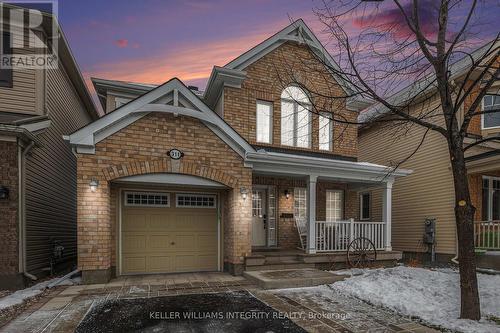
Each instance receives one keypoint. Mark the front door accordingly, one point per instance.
(259, 217)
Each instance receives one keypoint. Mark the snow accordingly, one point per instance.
(431, 295)
(20, 296)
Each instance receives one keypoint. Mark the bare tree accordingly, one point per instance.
(432, 47)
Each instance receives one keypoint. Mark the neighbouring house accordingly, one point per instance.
(429, 192)
(238, 177)
(37, 167)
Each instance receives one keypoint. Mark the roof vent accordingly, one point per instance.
(195, 88)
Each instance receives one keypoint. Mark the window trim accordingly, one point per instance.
(482, 115)
(295, 111)
(177, 195)
(330, 130)
(149, 193)
(294, 198)
(490, 195)
(8, 81)
(342, 206)
(271, 117)
(361, 218)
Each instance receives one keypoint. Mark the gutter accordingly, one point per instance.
(315, 162)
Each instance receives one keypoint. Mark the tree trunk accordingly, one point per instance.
(464, 215)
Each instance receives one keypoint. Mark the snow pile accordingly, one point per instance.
(20, 296)
(431, 295)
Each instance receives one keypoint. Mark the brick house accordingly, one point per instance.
(37, 168)
(429, 191)
(173, 179)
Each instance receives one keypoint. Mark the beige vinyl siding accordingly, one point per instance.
(428, 192)
(26, 94)
(51, 176)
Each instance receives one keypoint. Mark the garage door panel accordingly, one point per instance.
(207, 242)
(160, 242)
(169, 239)
(162, 222)
(162, 263)
(136, 264)
(135, 222)
(133, 243)
(185, 242)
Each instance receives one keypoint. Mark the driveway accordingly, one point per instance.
(211, 302)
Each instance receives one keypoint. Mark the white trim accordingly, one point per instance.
(482, 115)
(290, 164)
(195, 195)
(271, 119)
(490, 195)
(146, 193)
(85, 138)
(328, 116)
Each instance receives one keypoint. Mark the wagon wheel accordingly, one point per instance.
(361, 253)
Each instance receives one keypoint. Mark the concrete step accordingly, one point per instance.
(282, 259)
(290, 265)
(291, 278)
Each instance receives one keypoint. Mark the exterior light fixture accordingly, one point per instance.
(93, 184)
(4, 192)
(287, 194)
(244, 192)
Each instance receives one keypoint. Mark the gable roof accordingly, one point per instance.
(175, 98)
(233, 74)
(297, 32)
(424, 86)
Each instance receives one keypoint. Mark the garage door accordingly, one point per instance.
(168, 232)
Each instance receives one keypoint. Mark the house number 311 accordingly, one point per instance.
(175, 154)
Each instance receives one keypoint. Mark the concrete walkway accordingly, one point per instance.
(66, 307)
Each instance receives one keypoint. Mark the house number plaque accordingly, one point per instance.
(175, 154)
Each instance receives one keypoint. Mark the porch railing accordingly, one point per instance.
(487, 234)
(336, 236)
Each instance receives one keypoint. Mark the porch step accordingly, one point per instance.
(291, 278)
(287, 265)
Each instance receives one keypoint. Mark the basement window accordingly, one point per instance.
(147, 199)
(195, 201)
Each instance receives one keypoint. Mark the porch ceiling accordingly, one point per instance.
(358, 173)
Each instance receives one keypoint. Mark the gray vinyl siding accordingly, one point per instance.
(51, 176)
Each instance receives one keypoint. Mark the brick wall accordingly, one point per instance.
(266, 79)
(9, 259)
(141, 148)
(287, 232)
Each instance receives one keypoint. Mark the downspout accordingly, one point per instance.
(22, 211)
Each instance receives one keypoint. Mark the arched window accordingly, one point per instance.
(295, 118)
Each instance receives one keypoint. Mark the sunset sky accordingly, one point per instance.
(151, 41)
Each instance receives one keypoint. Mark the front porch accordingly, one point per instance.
(307, 211)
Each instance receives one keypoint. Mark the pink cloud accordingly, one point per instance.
(391, 19)
(121, 43)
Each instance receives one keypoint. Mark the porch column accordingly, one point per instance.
(387, 212)
(311, 214)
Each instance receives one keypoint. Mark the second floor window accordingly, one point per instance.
(491, 103)
(264, 121)
(295, 118)
(325, 131)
